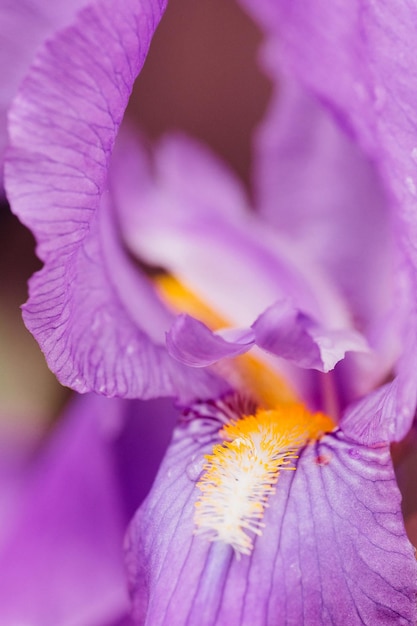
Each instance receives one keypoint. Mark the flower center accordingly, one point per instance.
(241, 473)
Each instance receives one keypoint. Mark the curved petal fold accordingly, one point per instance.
(100, 325)
(387, 414)
(281, 330)
(293, 335)
(193, 343)
(333, 549)
(64, 120)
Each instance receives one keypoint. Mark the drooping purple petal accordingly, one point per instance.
(23, 27)
(333, 550)
(100, 325)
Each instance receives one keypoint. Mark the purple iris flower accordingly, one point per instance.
(316, 279)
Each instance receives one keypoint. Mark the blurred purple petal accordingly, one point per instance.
(314, 184)
(23, 27)
(333, 549)
(358, 59)
(193, 343)
(292, 335)
(355, 61)
(138, 446)
(62, 557)
(16, 450)
(387, 414)
(63, 553)
(221, 250)
(234, 263)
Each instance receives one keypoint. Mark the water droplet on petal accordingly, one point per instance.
(406, 411)
(79, 385)
(195, 468)
(354, 453)
(411, 186)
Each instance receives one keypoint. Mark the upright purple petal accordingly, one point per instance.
(66, 116)
(358, 58)
(333, 550)
(315, 184)
(100, 325)
(220, 249)
(355, 59)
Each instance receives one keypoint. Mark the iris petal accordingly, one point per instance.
(62, 555)
(293, 335)
(358, 59)
(62, 533)
(193, 343)
(281, 330)
(100, 326)
(333, 550)
(23, 27)
(388, 413)
(313, 183)
(217, 248)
